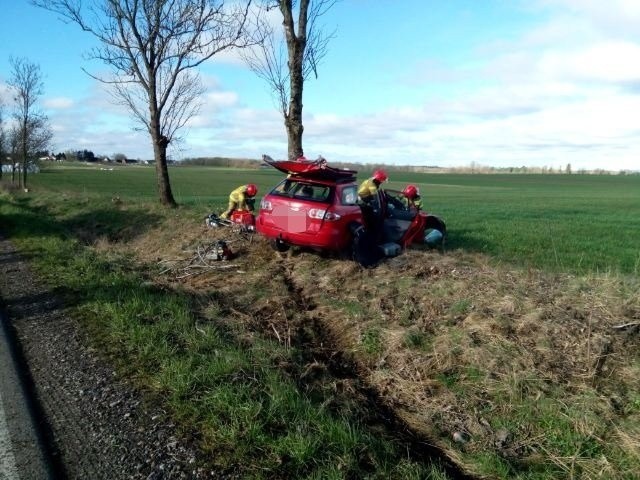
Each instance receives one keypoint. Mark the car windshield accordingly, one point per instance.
(302, 190)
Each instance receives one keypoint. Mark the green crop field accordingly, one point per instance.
(576, 223)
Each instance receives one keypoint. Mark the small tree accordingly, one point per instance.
(3, 141)
(285, 74)
(33, 132)
(151, 47)
(14, 149)
(85, 156)
(568, 169)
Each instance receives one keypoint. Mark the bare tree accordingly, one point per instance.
(286, 69)
(152, 48)
(14, 149)
(3, 139)
(33, 132)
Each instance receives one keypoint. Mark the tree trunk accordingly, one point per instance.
(24, 154)
(293, 120)
(296, 45)
(294, 136)
(24, 173)
(160, 144)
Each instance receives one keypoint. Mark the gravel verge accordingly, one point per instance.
(95, 424)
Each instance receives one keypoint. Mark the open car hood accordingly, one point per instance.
(316, 169)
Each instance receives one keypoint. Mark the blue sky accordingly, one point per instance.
(421, 82)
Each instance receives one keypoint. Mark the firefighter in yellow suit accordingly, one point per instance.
(369, 188)
(238, 199)
(412, 197)
(368, 199)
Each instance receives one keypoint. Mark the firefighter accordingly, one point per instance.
(241, 198)
(369, 202)
(367, 192)
(412, 197)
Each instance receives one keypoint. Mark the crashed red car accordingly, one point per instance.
(317, 206)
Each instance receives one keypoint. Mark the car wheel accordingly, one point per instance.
(279, 246)
(348, 251)
(435, 232)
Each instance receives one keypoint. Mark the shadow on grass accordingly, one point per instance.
(112, 224)
(469, 240)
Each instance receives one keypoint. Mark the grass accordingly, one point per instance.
(577, 223)
(510, 337)
(252, 418)
(372, 341)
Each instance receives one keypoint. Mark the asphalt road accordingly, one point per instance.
(22, 456)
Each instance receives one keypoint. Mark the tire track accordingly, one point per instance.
(320, 347)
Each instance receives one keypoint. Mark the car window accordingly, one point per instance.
(303, 190)
(349, 195)
(396, 199)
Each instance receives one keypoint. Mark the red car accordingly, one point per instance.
(317, 206)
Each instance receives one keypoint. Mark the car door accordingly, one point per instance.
(397, 216)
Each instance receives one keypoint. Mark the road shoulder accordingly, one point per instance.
(98, 425)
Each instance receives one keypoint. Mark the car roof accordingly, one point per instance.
(316, 170)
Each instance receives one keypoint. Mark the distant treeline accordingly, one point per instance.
(222, 162)
(253, 163)
(368, 167)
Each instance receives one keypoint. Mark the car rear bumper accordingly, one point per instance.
(329, 237)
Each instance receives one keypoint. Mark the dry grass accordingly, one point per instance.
(526, 364)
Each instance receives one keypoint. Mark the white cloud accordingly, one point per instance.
(611, 61)
(613, 18)
(59, 103)
(565, 91)
(560, 93)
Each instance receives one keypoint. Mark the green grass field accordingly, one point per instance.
(241, 388)
(575, 223)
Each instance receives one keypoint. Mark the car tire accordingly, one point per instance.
(365, 248)
(435, 223)
(348, 251)
(279, 246)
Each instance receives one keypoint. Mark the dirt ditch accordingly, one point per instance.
(323, 361)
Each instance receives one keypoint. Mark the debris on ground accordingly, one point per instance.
(241, 223)
(206, 257)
